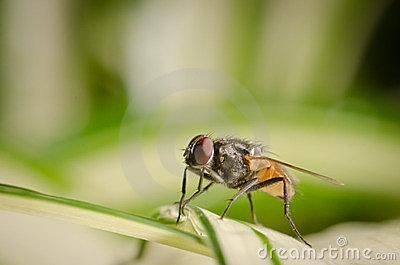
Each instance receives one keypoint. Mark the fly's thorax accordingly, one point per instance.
(229, 161)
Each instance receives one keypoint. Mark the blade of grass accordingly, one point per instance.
(267, 244)
(233, 241)
(34, 203)
(228, 241)
(212, 237)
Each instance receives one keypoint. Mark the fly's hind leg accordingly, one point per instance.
(285, 201)
(287, 214)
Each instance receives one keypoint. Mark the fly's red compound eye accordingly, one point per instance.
(203, 151)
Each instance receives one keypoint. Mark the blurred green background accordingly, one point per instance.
(81, 115)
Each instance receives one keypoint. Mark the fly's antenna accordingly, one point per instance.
(184, 150)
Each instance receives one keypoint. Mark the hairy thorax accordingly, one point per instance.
(229, 160)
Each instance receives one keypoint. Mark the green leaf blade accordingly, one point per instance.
(34, 203)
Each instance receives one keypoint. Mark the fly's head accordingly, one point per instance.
(199, 152)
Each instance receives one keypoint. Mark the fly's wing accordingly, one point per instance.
(267, 169)
(311, 173)
(256, 164)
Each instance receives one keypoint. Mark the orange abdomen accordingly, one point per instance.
(276, 189)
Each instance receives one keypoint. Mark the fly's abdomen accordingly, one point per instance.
(276, 189)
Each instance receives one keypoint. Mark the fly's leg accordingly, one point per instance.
(253, 213)
(265, 183)
(200, 190)
(197, 193)
(214, 175)
(256, 187)
(287, 214)
(199, 187)
(285, 201)
(247, 187)
(180, 210)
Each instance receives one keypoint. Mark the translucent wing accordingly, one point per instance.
(323, 177)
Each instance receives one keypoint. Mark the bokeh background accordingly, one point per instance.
(97, 98)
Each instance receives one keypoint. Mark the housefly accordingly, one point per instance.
(240, 164)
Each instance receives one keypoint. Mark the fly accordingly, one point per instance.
(240, 164)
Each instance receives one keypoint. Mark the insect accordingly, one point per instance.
(240, 164)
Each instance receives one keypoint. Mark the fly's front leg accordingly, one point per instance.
(199, 189)
(197, 193)
(215, 176)
(180, 210)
